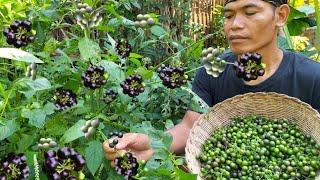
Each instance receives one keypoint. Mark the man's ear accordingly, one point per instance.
(282, 15)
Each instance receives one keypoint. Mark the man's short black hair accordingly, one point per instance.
(276, 3)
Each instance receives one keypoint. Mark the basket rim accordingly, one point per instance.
(291, 99)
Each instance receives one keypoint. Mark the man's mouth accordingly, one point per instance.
(237, 38)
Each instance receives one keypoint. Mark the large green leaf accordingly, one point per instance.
(114, 71)
(40, 83)
(94, 156)
(181, 175)
(73, 133)
(18, 55)
(158, 30)
(36, 117)
(8, 129)
(88, 49)
(297, 27)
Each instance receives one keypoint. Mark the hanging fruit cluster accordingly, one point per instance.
(46, 143)
(123, 48)
(144, 20)
(132, 85)
(126, 165)
(86, 16)
(32, 71)
(172, 77)
(64, 99)
(249, 66)
(109, 96)
(213, 64)
(14, 166)
(19, 33)
(63, 164)
(94, 77)
(114, 136)
(90, 127)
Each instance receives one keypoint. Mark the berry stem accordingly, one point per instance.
(104, 137)
(193, 69)
(203, 39)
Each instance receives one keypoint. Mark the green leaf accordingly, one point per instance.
(56, 126)
(94, 156)
(282, 43)
(135, 61)
(40, 83)
(8, 129)
(135, 55)
(115, 73)
(88, 49)
(297, 27)
(73, 133)
(24, 142)
(18, 55)
(295, 14)
(36, 117)
(144, 72)
(169, 124)
(158, 31)
(181, 175)
(49, 108)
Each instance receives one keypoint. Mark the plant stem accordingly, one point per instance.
(104, 137)
(193, 69)
(317, 13)
(288, 37)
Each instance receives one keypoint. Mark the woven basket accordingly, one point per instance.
(269, 105)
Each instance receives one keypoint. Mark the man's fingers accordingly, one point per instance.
(127, 140)
(111, 156)
(107, 149)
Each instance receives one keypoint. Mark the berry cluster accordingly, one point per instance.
(213, 64)
(32, 71)
(249, 66)
(19, 33)
(14, 166)
(46, 143)
(133, 85)
(127, 165)
(94, 77)
(172, 77)
(123, 48)
(63, 164)
(109, 96)
(87, 17)
(143, 20)
(64, 99)
(90, 127)
(114, 141)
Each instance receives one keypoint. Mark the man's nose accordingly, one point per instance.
(237, 23)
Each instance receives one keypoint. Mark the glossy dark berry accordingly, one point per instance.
(64, 153)
(94, 77)
(132, 85)
(249, 66)
(123, 48)
(126, 165)
(19, 33)
(109, 96)
(64, 99)
(14, 166)
(172, 77)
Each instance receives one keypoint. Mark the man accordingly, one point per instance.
(250, 26)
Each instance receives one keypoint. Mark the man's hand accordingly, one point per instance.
(138, 144)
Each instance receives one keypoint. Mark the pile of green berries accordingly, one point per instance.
(143, 20)
(123, 48)
(14, 166)
(86, 16)
(253, 147)
(90, 127)
(213, 64)
(94, 77)
(32, 71)
(249, 66)
(63, 164)
(172, 77)
(132, 85)
(64, 99)
(19, 33)
(46, 143)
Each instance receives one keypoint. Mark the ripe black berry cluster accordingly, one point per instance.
(123, 48)
(126, 165)
(94, 77)
(249, 66)
(19, 33)
(114, 141)
(172, 77)
(133, 85)
(46, 143)
(143, 20)
(213, 64)
(109, 96)
(32, 71)
(64, 99)
(63, 164)
(14, 166)
(86, 16)
(90, 127)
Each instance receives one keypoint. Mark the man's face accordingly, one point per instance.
(249, 25)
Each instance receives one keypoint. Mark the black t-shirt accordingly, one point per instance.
(297, 76)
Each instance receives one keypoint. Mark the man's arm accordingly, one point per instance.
(180, 132)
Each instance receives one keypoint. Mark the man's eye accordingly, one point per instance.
(228, 16)
(250, 13)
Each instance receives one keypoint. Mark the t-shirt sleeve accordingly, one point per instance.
(201, 86)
